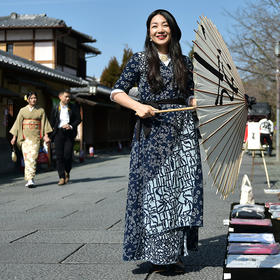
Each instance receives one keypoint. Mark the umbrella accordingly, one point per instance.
(221, 106)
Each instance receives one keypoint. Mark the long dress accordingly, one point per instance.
(30, 127)
(165, 193)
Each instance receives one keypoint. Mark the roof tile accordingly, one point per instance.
(31, 66)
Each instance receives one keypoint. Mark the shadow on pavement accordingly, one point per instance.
(85, 180)
(82, 180)
(211, 253)
(102, 157)
(142, 268)
(17, 175)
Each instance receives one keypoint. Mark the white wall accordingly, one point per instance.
(43, 51)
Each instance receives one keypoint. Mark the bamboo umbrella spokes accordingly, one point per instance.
(225, 150)
(225, 69)
(219, 45)
(221, 106)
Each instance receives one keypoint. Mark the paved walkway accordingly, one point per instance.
(75, 231)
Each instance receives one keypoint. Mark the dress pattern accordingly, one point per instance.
(165, 194)
(30, 151)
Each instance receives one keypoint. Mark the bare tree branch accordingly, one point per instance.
(253, 37)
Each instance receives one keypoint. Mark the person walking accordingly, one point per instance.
(65, 119)
(30, 127)
(165, 193)
(266, 133)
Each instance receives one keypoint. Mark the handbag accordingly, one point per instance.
(42, 156)
(14, 155)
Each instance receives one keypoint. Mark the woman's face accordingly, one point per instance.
(160, 33)
(32, 100)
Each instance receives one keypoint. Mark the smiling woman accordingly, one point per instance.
(160, 33)
(164, 206)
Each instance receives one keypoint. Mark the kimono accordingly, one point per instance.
(165, 194)
(30, 127)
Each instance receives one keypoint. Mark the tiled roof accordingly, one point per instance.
(40, 20)
(22, 64)
(15, 20)
(91, 49)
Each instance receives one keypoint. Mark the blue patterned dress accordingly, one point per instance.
(165, 194)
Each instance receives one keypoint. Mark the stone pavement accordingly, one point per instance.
(75, 231)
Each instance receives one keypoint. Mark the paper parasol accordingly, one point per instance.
(221, 106)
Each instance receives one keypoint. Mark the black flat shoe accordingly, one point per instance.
(178, 267)
(169, 269)
(159, 268)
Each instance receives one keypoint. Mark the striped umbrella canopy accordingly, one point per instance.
(221, 106)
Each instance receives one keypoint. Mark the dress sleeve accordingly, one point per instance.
(130, 75)
(45, 125)
(17, 125)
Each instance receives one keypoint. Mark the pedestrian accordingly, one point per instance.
(266, 132)
(164, 204)
(65, 119)
(30, 126)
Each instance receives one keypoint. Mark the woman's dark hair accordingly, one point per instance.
(175, 52)
(30, 93)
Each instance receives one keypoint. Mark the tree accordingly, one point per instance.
(191, 54)
(127, 54)
(113, 71)
(256, 31)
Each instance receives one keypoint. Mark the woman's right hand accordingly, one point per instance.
(13, 141)
(145, 111)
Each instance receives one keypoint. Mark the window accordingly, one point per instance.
(10, 48)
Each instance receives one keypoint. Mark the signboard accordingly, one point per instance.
(253, 139)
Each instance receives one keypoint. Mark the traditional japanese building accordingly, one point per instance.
(43, 54)
(47, 41)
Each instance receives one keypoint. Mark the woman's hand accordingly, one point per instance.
(13, 141)
(192, 102)
(145, 111)
(47, 139)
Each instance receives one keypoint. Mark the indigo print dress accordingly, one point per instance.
(165, 194)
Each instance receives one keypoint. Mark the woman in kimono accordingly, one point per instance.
(164, 203)
(30, 127)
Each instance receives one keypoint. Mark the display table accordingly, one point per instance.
(249, 266)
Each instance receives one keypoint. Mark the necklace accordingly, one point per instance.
(163, 57)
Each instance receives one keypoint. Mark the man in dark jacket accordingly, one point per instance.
(65, 119)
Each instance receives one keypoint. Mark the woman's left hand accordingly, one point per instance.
(13, 141)
(192, 102)
(47, 139)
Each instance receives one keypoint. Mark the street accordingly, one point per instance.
(75, 231)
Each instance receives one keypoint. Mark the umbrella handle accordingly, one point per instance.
(174, 110)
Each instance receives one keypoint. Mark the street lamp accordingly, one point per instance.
(277, 54)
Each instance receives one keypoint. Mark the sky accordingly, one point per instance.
(117, 24)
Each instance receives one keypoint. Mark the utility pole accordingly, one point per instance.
(277, 54)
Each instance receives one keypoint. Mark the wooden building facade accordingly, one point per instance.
(47, 41)
(43, 54)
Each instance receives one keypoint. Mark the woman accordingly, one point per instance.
(164, 205)
(31, 123)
